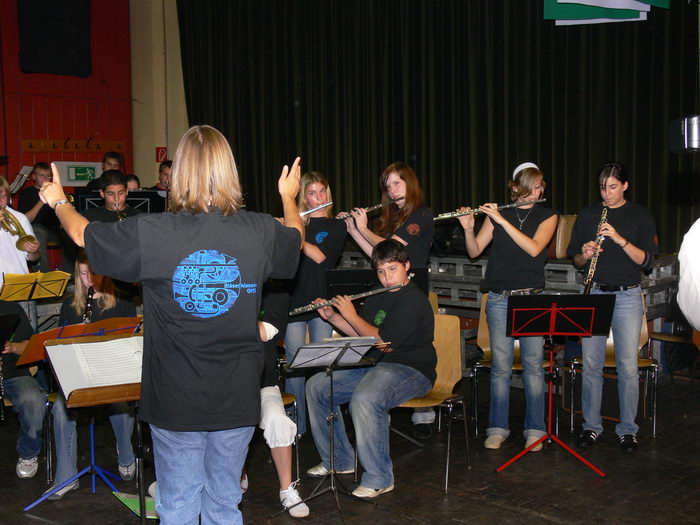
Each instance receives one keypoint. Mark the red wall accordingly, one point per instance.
(41, 106)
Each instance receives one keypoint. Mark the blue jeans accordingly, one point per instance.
(29, 403)
(65, 436)
(531, 356)
(294, 337)
(199, 473)
(371, 392)
(626, 327)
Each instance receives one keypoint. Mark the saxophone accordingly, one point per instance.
(588, 281)
(87, 314)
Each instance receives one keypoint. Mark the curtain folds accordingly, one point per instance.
(463, 91)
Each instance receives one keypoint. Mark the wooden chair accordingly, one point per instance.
(645, 364)
(483, 341)
(447, 342)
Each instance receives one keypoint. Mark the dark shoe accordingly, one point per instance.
(586, 439)
(629, 443)
(423, 431)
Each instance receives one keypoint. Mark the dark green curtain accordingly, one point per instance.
(462, 90)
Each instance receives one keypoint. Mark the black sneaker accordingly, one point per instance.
(629, 443)
(422, 431)
(586, 439)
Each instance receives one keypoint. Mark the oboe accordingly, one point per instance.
(87, 314)
(588, 281)
(317, 306)
(477, 211)
(372, 208)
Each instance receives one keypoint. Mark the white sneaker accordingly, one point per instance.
(127, 472)
(244, 482)
(367, 492)
(26, 468)
(291, 500)
(319, 471)
(530, 441)
(152, 489)
(494, 442)
(65, 490)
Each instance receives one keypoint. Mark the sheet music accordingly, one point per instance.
(104, 363)
(115, 362)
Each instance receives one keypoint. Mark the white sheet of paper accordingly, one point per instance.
(105, 363)
(611, 4)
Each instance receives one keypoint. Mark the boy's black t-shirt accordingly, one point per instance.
(46, 217)
(102, 214)
(634, 223)
(202, 280)
(23, 331)
(404, 318)
(509, 266)
(309, 283)
(418, 231)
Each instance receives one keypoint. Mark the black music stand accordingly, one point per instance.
(332, 355)
(550, 315)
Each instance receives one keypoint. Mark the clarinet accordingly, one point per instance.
(317, 306)
(87, 314)
(588, 281)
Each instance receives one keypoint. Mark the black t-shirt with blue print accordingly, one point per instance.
(404, 318)
(202, 281)
(309, 283)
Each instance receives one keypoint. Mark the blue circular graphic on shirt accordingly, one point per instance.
(320, 237)
(206, 283)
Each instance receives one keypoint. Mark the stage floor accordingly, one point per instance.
(658, 484)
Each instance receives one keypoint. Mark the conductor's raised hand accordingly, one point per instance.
(289, 181)
(52, 192)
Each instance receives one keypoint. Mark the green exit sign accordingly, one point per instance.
(81, 173)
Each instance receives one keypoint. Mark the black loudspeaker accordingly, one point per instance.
(54, 37)
(684, 134)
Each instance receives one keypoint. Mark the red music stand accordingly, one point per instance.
(550, 315)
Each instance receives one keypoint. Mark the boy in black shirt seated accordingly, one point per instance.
(402, 317)
(113, 189)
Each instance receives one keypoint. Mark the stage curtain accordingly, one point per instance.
(462, 90)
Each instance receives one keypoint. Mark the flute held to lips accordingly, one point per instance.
(375, 207)
(317, 306)
(477, 211)
(322, 206)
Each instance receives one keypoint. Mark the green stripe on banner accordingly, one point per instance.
(657, 3)
(556, 11)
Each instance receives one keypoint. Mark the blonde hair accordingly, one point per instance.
(107, 298)
(5, 187)
(307, 179)
(524, 182)
(204, 174)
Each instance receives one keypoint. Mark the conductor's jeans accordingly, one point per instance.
(199, 473)
(626, 328)
(371, 392)
(531, 356)
(29, 402)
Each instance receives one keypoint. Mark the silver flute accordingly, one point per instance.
(322, 206)
(477, 211)
(317, 306)
(371, 208)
